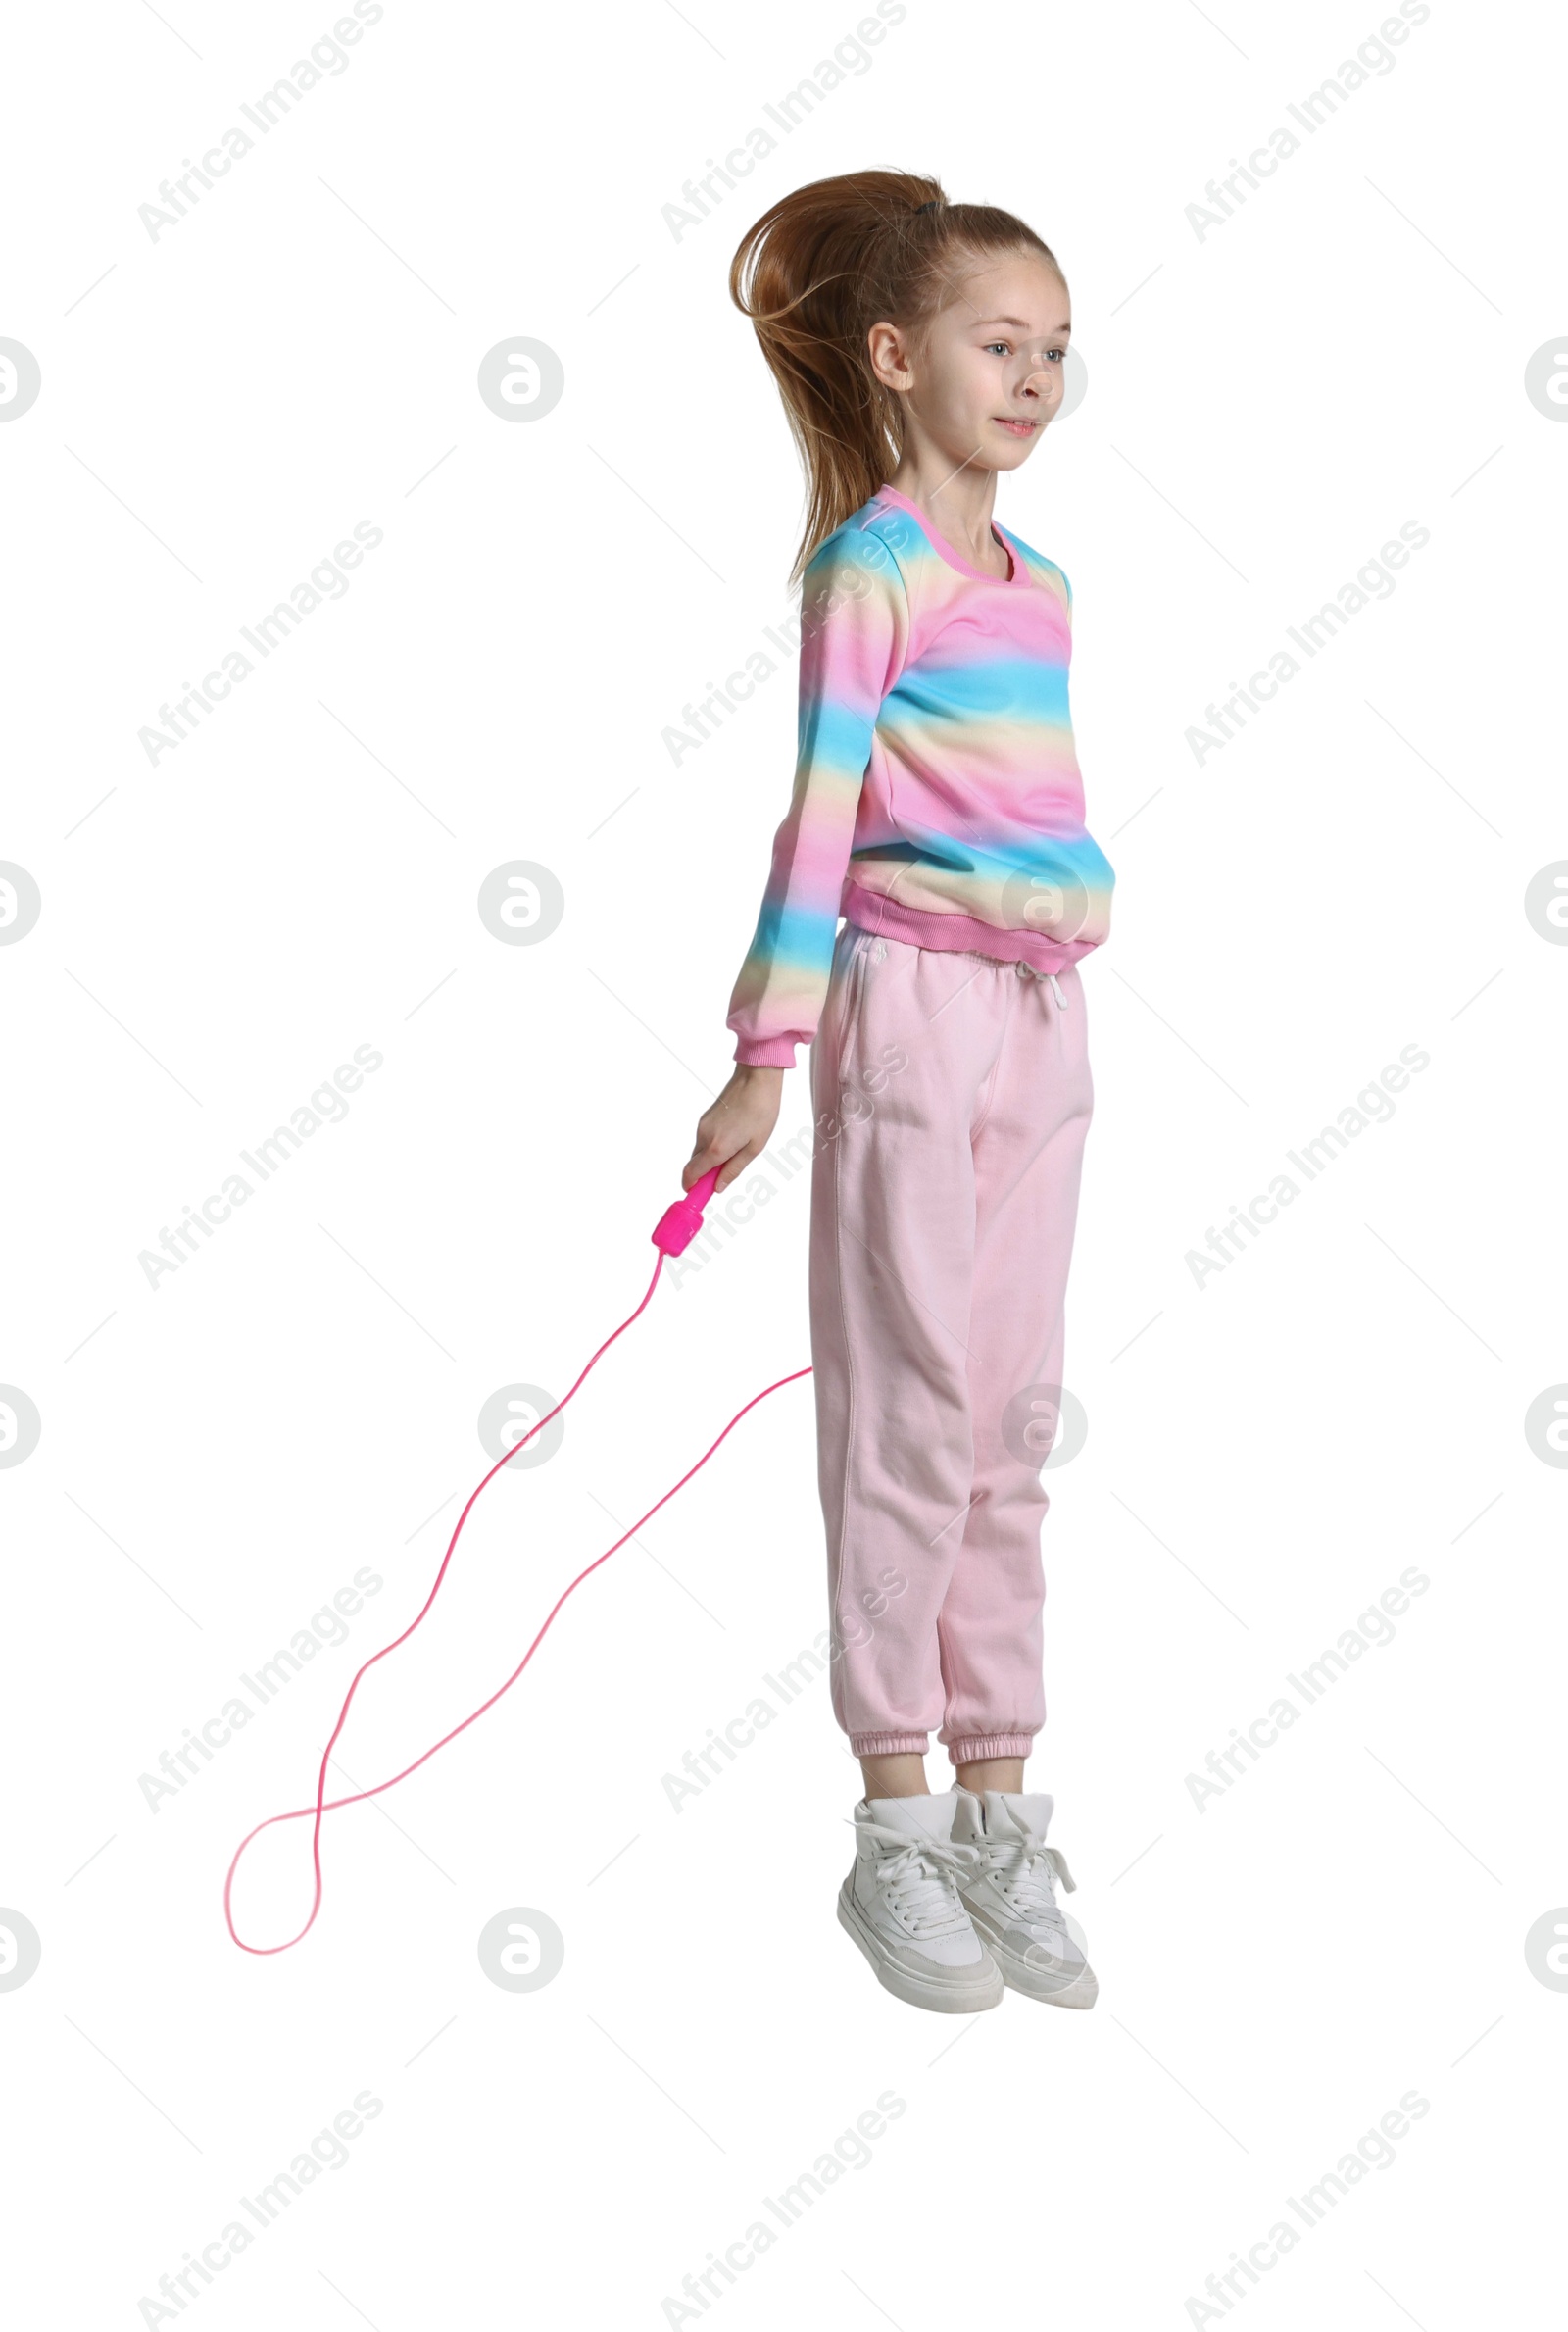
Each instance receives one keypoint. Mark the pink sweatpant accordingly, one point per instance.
(952, 1096)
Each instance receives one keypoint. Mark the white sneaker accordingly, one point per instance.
(1009, 1891)
(901, 1903)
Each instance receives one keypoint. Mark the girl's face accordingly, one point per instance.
(988, 377)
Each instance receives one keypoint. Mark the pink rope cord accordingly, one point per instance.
(675, 1229)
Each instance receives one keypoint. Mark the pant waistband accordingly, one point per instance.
(875, 946)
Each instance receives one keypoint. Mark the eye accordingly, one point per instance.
(1004, 345)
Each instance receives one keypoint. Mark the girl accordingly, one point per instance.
(937, 804)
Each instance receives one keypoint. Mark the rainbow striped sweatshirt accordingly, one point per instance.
(937, 794)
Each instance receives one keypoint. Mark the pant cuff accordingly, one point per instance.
(889, 1745)
(989, 1744)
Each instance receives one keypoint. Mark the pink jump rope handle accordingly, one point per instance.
(680, 1223)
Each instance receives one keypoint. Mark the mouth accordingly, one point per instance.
(1015, 429)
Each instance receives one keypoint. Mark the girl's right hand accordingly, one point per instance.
(737, 1127)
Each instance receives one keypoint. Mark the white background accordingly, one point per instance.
(1267, 404)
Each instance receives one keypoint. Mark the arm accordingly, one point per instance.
(855, 625)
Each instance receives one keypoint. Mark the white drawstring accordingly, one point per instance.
(1027, 971)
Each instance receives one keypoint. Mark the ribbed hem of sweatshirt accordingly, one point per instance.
(766, 1052)
(889, 1745)
(960, 934)
(989, 1744)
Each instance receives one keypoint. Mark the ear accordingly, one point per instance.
(890, 356)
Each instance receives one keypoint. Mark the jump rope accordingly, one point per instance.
(672, 1234)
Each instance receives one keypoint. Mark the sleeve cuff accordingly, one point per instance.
(773, 1052)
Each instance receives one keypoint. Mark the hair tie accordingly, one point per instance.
(934, 204)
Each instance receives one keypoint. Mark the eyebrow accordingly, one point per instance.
(1017, 324)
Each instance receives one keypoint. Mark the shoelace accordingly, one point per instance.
(927, 1898)
(1021, 1864)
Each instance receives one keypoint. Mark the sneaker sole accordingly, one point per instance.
(980, 1991)
(1081, 1993)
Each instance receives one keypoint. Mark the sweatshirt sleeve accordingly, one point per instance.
(855, 626)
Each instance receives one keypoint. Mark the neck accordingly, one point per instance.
(958, 503)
